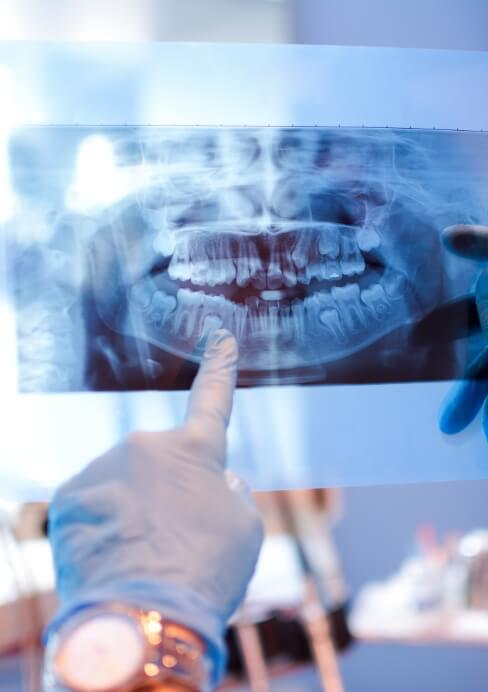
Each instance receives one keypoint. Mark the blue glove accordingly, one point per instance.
(466, 398)
(154, 522)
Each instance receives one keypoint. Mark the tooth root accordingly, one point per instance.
(187, 316)
(240, 319)
(368, 239)
(273, 321)
(285, 319)
(274, 274)
(330, 319)
(375, 298)
(329, 243)
(242, 271)
(298, 319)
(349, 304)
(256, 268)
(301, 251)
(162, 305)
(210, 324)
(289, 274)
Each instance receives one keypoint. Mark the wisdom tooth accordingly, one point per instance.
(141, 295)
(350, 306)
(164, 243)
(368, 239)
(162, 305)
(376, 300)
(394, 283)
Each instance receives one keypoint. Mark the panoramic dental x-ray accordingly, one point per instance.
(318, 247)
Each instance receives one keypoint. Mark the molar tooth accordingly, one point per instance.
(210, 324)
(368, 239)
(329, 318)
(375, 298)
(315, 270)
(332, 270)
(352, 262)
(350, 306)
(179, 266)
(162, 305)
(303, 276)
(186, 315)
(223, 308)
(329, 243)
(200, 265)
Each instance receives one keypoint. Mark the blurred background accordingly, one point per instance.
(401, 570)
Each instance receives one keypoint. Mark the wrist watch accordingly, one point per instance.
(117, 648)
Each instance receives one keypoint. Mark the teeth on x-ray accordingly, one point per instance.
(308, 244)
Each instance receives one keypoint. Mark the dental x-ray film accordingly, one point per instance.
(318, 247)
(296, 195)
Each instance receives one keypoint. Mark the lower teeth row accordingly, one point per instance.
(341, 312)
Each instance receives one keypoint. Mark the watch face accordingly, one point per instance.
(101, 654)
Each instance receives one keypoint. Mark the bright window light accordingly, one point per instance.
(98, 182)
(7, 120)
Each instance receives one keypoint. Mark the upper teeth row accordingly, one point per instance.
(323, 256)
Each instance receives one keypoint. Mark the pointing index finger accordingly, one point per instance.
(213, 388)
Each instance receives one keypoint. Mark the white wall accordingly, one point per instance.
(455, 24)
(157, 20)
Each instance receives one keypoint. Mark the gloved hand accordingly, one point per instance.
(154, 522)
(471, 394)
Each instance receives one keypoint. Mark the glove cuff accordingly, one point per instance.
(176, 603)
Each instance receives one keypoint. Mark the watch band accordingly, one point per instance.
(172, 653)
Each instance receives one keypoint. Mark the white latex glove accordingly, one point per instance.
(154, 523)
